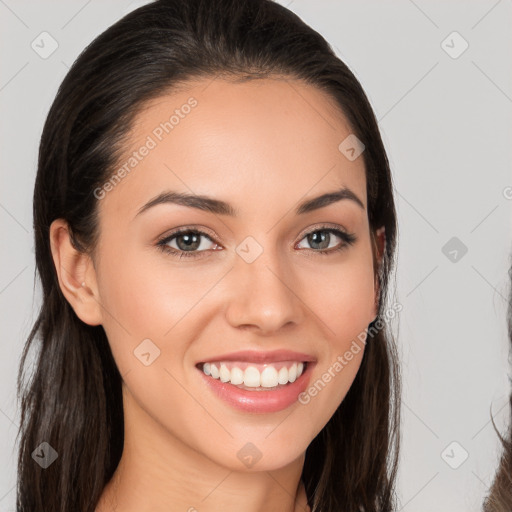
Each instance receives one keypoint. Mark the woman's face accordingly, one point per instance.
(254, 282)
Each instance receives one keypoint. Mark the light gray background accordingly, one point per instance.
(446, 124)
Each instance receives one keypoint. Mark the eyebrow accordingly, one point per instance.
(209, 204)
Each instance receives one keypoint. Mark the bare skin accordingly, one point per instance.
(263, 147)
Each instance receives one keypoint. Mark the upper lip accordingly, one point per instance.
(255, 356)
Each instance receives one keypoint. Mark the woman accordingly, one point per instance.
(500, 495)
(215, 230)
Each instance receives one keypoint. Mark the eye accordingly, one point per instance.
(188, 243)
(324, 235)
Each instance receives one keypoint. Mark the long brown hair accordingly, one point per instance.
(73, 397)
(499, 498)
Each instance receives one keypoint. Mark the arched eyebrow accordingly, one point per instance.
(210, 204)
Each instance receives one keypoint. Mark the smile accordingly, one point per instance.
(256, 387)
(255, 377)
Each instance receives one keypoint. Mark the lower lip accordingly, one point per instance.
(260, 401)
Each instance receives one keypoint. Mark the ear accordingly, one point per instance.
(380, 247)
(76, 274)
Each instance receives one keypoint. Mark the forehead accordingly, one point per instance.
(266, 141)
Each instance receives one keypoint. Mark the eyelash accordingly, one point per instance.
(348, 240)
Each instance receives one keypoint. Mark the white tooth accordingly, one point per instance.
(224, 373)
(237, 376)
(269, 377)
(214, 371)
(292, 372)
(283, 375)
(251, 377)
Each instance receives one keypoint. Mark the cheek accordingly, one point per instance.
(345, 304)
(145, 297)
(344, 297)
(141, 291)
(135, 303)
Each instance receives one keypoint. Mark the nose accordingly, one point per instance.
(263, 295)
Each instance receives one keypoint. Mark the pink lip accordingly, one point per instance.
(261, 401)
(253, 356)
